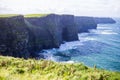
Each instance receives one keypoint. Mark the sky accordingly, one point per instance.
(110, 8)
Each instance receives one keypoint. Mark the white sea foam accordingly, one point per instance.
(84, 37)
(89, 38)
(106, 32)
(69, 62)
(69, 45)
(103, 28)
(48, 54)
(103, 32)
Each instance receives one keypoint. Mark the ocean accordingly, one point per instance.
(100, 47)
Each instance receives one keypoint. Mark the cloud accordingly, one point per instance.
(76, 7)
(3, 8)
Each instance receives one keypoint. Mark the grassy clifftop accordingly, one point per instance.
(8, 15)
(35, 15)
(26, 16)
(20, 69)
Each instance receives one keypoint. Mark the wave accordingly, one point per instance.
(48, 54)
(83, 37)
(69, 45)
(87, 39)
(68, 62)
(104, 28)
(107, 32)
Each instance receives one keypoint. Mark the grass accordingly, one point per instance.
(35, 15)
(21, 69)
(26, 16)
(7, 15)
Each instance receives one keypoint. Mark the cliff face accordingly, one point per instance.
(25, 37)
(69, 28)
(59, 28)
(85, 23)
(46, 31)
(14, 37)
(104, 20)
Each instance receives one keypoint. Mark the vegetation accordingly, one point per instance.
(21, 69)
(35, 15)
(27, 15)
(8, 15)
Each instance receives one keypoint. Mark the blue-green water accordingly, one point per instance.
(100, 47)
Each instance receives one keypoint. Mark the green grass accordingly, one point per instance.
(21, 69)
(27, 15)
(8, 15)
(35, 15)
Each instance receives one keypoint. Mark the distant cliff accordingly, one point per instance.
(25, 37)
(104, 20)
(85, 23)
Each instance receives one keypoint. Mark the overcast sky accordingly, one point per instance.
(77, 7)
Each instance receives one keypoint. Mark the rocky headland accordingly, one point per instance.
(24, 37)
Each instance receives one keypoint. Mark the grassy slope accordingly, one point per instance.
(8, 15)
(35, 15)
(27, 15)
(20, 69)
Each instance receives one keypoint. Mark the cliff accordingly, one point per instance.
(50, 31)
(104, 20)
(69, 28)
(45, 32)
(14, 37)
(85, 23)
(26, 36)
